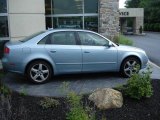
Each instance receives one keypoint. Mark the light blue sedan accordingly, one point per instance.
(63, 51)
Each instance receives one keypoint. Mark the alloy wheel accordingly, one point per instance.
(39, 72)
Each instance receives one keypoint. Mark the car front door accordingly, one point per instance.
(96, 53)
(65, 52)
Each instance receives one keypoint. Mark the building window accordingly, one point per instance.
(4, 34)
(90, 6)
(48, 7)
(67, 6)
(3, 27)
(81, 14)
(3, 6)
(67, 22)
(91, 23)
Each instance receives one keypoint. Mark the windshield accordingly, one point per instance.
(31, 36)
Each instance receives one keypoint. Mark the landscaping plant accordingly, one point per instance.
(138, 86)
(121, 39)
(49, 103)
(76, 109)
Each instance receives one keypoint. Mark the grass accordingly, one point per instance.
(121, 39)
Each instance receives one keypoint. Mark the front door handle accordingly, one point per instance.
(86, 52)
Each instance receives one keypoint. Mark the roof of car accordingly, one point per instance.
(66, 29)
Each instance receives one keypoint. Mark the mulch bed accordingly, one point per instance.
(28, 108)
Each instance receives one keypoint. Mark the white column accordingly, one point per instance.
(139, 22)
(25, 17)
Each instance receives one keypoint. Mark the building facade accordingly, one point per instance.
(137, 17)
(20, 18)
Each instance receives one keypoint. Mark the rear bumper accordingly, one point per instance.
(10, 66)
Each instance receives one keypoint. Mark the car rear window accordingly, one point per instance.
(31, 36)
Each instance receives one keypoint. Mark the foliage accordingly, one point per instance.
(138, 86)
(1, 75)
(124, 40)
(132, 3)
(151, 10)
(49, 103)
(23, 91)
(152, 27)
(64, 87)
(77, 112)
(4, 90)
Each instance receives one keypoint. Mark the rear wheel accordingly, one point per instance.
(130, 66)
(39, 72)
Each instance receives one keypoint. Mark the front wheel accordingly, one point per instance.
(130, 66)
(39, 72)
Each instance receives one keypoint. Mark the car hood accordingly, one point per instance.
(129, 48)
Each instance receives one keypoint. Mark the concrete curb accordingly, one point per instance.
(155, 70)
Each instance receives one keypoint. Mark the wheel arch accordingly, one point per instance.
(39, 59)
(131, 56)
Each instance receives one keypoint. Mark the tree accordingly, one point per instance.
(132, 3)
(151, 11)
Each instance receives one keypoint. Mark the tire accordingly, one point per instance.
(130, 66)
(39, 72)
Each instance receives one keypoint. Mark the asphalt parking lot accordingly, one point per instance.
(150, 43)
(79, 83)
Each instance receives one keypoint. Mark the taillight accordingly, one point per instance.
(6, 50)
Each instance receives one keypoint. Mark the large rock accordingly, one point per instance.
(107, 98)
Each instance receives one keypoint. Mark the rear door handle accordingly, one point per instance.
(53, 51)
(86, 52)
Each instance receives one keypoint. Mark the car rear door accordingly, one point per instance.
(96, 53)
(65, 52)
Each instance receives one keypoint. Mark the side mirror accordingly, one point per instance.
(110, 44)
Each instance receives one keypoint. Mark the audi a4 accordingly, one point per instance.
(68, 51)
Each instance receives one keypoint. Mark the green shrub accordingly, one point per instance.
(23, 91)
(124, 40)
(145, 27)
(149, 27)
(5, 90)
(157, 27)
(77, 112)
(152, 27)
(49, 103)
(138, 86)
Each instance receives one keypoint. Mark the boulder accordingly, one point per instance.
(107, 98)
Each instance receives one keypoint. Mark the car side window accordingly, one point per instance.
(44, 40)
(92, 39)
(63, 38)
